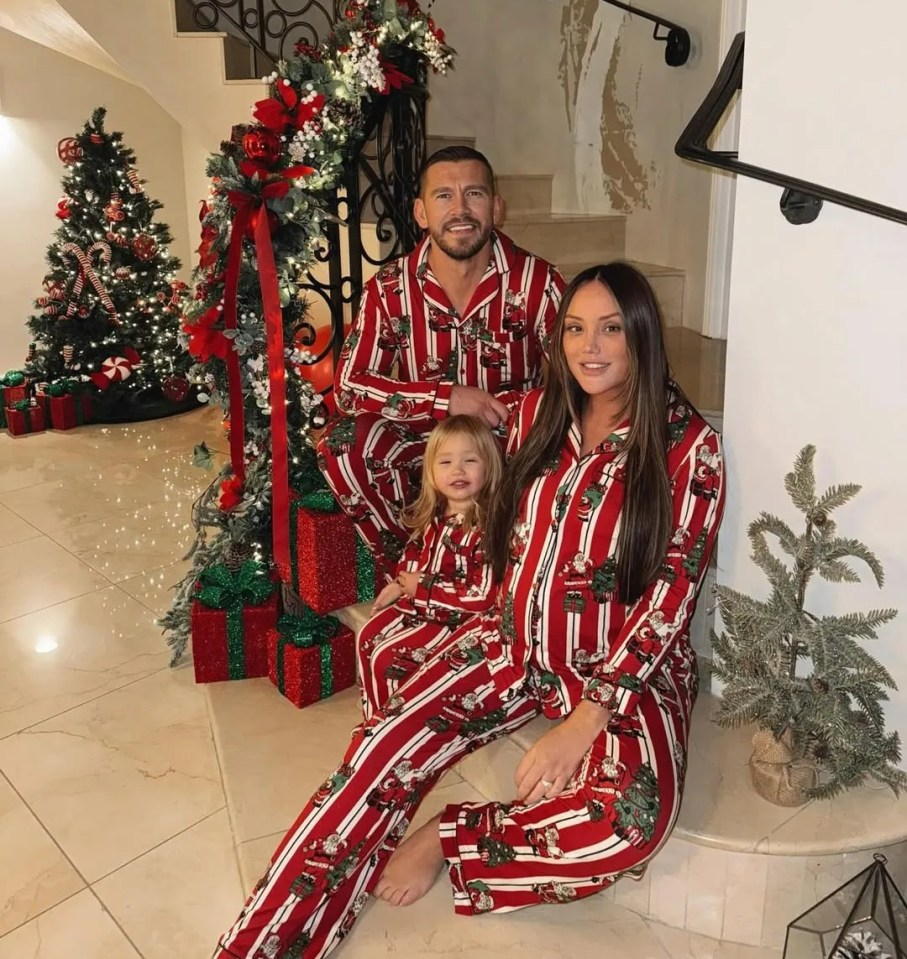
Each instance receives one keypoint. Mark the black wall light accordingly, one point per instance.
(676, 40)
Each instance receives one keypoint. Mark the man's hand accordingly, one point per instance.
(387, 597)
(408, 582)
(548, 766)
(476, 402)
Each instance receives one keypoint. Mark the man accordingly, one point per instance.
(457, 326)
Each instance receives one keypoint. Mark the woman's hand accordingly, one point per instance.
(387, 597)
(549, 765)
(408, 581)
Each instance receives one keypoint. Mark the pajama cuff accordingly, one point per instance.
(442, 400)
(618, 692)
(465, 904)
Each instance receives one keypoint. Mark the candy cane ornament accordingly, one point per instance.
(86, 272)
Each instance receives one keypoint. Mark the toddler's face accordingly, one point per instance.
(458, 472)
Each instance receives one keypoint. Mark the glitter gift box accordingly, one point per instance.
(15, 387)
(331, 568)
(231, 617)
(311, 657)
(25, 416)
(68, 406)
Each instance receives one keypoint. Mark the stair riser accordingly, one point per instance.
(600, 240)
(529, 194)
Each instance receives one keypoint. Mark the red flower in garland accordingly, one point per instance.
(285, 109)
(205, 340)
(437, 31)
(394, 78)
(63, 210)
(230, 493)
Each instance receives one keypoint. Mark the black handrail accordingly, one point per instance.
(802, 199)
(677, 40)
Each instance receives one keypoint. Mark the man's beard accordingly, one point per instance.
(441, 240)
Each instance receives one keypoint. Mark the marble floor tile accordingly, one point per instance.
(154, 589)
(129, 542)
(77, 499)
(35, 874)
(37, 459)
(117, 776)
(38, 573)
(177, 899)
(70, 653)
(680, 944)
(14, 529)
(78, 928)
(275, 756)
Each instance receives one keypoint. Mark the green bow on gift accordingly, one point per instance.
(320, 500)
(62, 388)
(12, 378)
(306, 631)
(223, 589)
(22, 406)
(232, 592)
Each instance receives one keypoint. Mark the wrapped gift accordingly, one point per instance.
(311, 657)
(232, 615)
(15, 387)
(330, 565)
(25, 416)
(68, 404)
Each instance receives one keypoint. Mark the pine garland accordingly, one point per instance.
(293, 159)
(832, 708)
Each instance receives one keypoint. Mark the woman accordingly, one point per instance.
(600, 535)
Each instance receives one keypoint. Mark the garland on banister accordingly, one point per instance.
(271, 185)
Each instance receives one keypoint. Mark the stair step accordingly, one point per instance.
(568, 237)
(525, 193)
(435, 143)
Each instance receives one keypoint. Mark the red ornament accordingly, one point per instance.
(68, 150)
(114, 210)
(63, 210)
(122, 272)
(263, 146)
(320, 374)
(144, 246)
(175, 388)
(96, 138)
(230, 493)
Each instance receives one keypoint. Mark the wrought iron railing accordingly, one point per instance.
(381, 179)
(270, 29)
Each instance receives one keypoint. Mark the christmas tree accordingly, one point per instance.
(803, 677)
(109, 314)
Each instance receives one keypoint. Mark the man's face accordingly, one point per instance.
(458, 207)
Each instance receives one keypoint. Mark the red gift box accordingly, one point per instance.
(69, 411)
(308, 664)
(331, 567)
(13, 394)
(225, 649)
(22, 422)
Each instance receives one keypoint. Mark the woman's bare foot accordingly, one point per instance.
(413, 868)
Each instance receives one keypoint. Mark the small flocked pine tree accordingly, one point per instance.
(829, 710)
(110, 311)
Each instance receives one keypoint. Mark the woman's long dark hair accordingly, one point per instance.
(646, 517)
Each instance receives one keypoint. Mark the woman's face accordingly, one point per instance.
(595, 342)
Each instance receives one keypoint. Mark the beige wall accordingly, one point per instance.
(45, 97)
(818, 326)
(579, 89)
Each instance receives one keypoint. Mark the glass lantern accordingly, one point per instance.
(866, 918)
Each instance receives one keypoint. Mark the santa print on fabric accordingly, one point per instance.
(108, 314)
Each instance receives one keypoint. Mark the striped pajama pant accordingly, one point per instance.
(612, 817)
(374, 468)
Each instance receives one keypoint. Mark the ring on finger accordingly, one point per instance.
(546, 783)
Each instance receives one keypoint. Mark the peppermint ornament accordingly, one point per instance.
(114, 210)
(68, 150)
(135, 184)
(68, 354)
(116, 369)
(96, 138)
(122, 272)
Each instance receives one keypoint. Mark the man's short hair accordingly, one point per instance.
(455, 154)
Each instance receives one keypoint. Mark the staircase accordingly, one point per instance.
(571, 242)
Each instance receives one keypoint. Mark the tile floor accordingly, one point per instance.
(116, 837)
